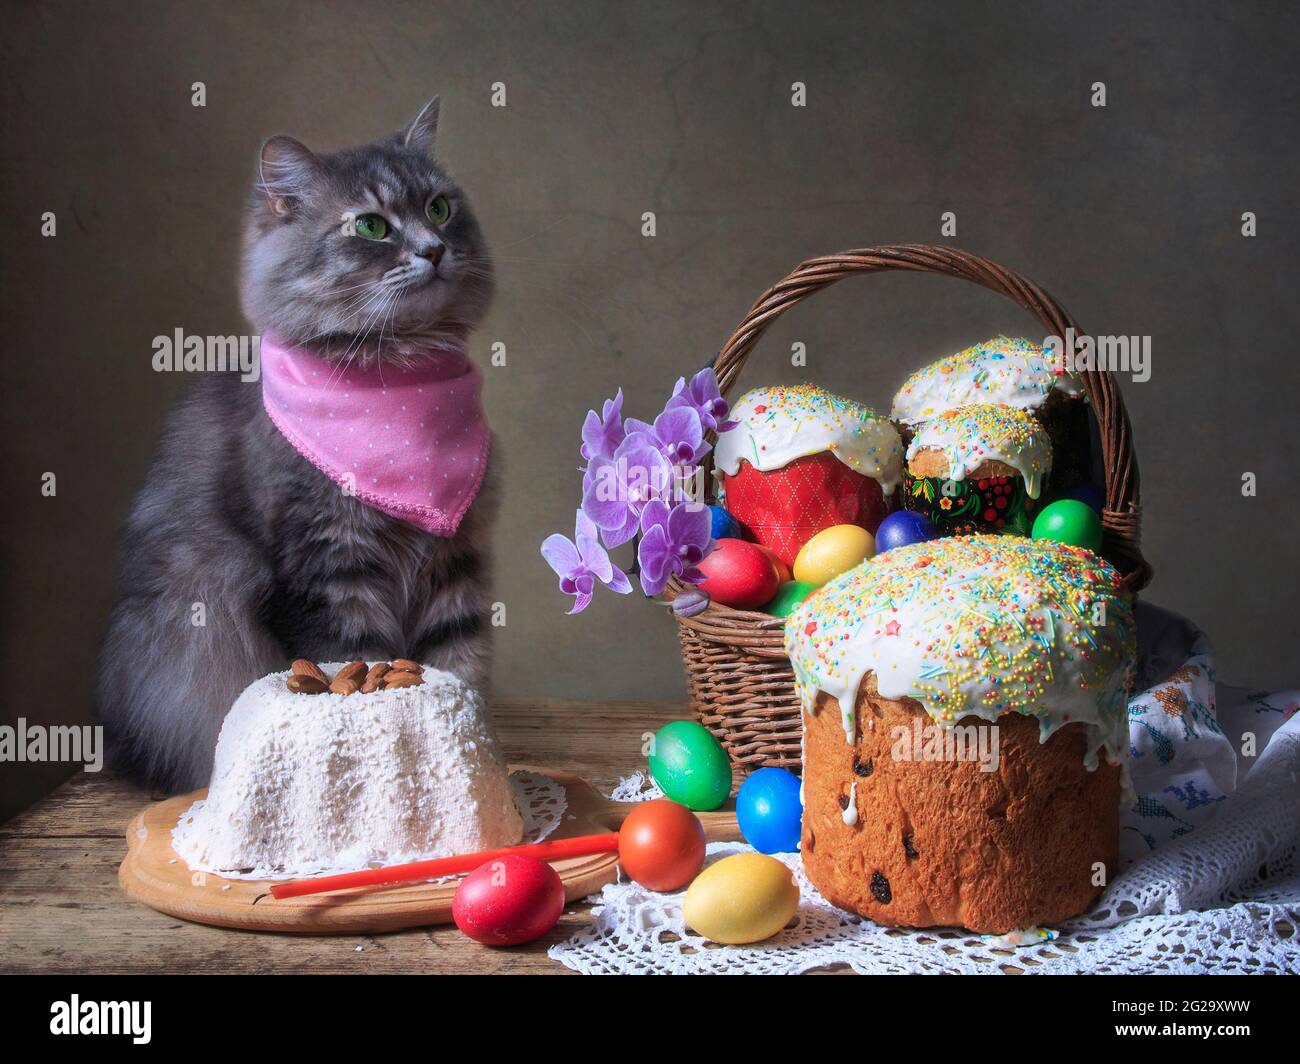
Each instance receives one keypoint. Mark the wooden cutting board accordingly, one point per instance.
(154, 874)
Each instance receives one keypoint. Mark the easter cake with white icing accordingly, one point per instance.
(965, 731)
(978, 469)
(1003, 371)
(801, 459)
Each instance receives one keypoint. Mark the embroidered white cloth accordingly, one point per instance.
(1209, 880)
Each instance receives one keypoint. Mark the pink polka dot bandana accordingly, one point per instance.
(412, 443)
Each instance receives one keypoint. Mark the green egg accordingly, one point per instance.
(788, 596)
(690, 765)
(1069, 521)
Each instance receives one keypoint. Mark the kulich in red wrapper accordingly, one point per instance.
(783, 509)
(802, 459)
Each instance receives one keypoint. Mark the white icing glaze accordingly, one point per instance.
(968, 436)
(306, 782)
(779, 424)
(998, 372)
(976, 626)
(849, 814)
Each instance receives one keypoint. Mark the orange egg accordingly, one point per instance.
(783, 572)
(661, 845)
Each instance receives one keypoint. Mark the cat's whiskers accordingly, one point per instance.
(387, 302)
(372, 295)
(378, 298)
(350, 288)
(379, 349)
(354, 307)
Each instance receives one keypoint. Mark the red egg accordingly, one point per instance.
(510, 900)
(661, 845)
(739, 574)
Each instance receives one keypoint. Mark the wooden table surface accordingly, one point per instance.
(61, 909)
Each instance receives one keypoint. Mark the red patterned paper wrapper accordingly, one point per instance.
(784, 508)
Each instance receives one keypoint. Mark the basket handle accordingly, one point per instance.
(1121, 521)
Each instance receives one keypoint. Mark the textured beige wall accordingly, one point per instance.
(1129, 214)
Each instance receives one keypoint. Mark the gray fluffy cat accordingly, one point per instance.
(231, 516)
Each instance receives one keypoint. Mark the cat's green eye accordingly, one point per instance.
(370, 226)
(439, 210)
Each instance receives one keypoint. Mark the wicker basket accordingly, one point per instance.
(741, 682)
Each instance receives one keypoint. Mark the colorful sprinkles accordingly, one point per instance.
(776, 425)
(976, 626)
(998, 372)
(969, 436)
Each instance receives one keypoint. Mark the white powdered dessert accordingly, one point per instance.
(307, 784)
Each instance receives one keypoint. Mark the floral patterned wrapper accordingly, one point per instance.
(784, 508)
(974, 505)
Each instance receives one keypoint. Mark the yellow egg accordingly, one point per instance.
(746, 897)
(833, 551)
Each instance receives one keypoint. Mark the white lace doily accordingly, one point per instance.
(1217, 892)
(541, 801)
(1138, 928)
(638, 787)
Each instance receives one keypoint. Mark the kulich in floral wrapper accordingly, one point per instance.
(978, 469)
(801, 460)
(996, 504)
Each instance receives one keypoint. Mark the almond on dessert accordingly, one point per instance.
(374, 678)
(303, 667)
(308, 678)
(354, 671)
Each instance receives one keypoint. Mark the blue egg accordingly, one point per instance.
(769, 810)
(724, 525)
(1088, 494)
(901, 528)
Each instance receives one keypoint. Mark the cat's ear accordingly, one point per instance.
(422, 131)
(287, 173)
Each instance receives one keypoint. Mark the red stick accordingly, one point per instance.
(446, 866)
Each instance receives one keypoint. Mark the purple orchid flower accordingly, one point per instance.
(603, 432)
(678, 434)
(582, 565)
(673, 543)
(702, 396)
(616, 490)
